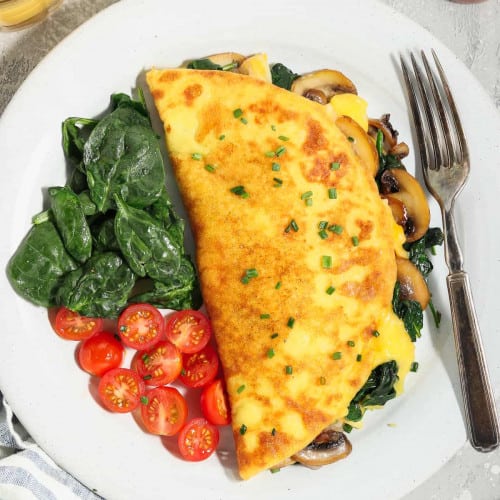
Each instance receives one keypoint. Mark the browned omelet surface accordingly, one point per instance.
(294, 352)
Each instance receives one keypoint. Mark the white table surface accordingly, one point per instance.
(472, 32)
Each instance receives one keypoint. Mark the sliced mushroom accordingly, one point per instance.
(398, 184)
(400, 150)
(385, 126)
(328, 447)
(327, 81)
(224, 59)
(412, 285)
(362, 144)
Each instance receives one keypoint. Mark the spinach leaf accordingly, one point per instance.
(74, 134)
(410, 312)
(103, 236)
(100, 288)
(37, 268)
(122, 156)
(163, 211)
(181, 293)
(88, 206)
(418, 250)
(282, 76)
(146, 244)
(378, 389)
(203, 64)
(71, 223)
(123, 100)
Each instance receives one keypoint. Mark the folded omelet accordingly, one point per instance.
(295, 252)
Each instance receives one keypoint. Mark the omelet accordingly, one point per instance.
(295, 252)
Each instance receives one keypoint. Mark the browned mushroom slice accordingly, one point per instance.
(400, 150)
(328, 447)
(384, 125)
(400, 185)
(398, 209)
(362, 144)
(225, 59)
(321, 85)
(412, 285)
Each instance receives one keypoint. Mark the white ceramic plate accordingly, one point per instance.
(399, 446)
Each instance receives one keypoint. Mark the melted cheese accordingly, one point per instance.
(243, 127)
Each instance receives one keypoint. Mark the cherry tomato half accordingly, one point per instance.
(164, 411)
(159, 365)
(214, 405)
(121, 389)
(198, 440)
(199, 368)
(100, 353)
(189, 330)
(140, 326)
(72, 326)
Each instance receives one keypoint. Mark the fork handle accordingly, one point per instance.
(481, 415)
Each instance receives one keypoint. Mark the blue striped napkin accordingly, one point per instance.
(26, 471)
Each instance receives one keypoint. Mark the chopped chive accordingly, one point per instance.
(358, 357)
(222, 137)
(229, 66)
(283, 138)
(323, 234)
(351, 343)
(265, 316)
(249, 273)
(306, 195)
(335, 228)
(278, 181)
(243, 429)
(322, 224)
(275, 167)
(335, 165)
(376, 333)
(278, 285)
(347, 428)
(237, 113)
(239, 191)
(270, 154)
(147, 377)
(290, 322)
(243, 120)
(337, 355)
(144, 400)
(414, 367)
(274, 335)
(309, 202)
(274, 470)
(350, 139)
(355, 241)
(210, 168)
(270, 353)
(241, 388)
(273, 128)
(280, 151)
(322, 380)
(330, 290)
(326, 261)
(196, 156)
(288, 370)
(292, 225)
(435, 314)
(273, 432)
(332, 194)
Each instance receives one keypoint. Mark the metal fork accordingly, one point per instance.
(445, 164)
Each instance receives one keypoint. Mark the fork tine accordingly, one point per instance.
(447, 158)
(425, 103)
(454, 112)
(417, 117)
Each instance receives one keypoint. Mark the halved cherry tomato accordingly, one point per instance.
(121, 389)
(100, 353)
(189, 330)
(72, 326)
(214, 405)
(159, 365)
(199, 368)
(198, 440)
(140, 326)
(164, 411)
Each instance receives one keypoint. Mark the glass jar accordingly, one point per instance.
(18, 14)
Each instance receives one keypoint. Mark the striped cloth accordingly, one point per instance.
(27, 472)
